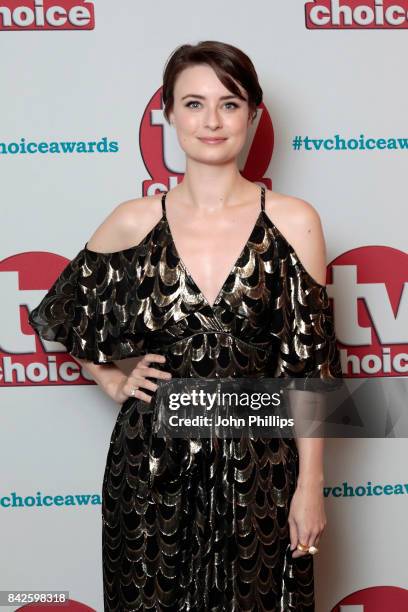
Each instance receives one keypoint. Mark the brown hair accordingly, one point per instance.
(228, 62)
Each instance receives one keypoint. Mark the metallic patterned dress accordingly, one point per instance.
(197, 526)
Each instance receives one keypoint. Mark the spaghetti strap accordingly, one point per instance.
(263, 198)
(163, 201)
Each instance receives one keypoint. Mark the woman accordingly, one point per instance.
(216, 278)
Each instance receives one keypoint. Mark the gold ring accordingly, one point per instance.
(312, 550)
(133, 391)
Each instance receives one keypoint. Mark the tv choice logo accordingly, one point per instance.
(374, 599)
(369, 288)
(354, 14)
(25, 360)
(46, 15)
(165, 160)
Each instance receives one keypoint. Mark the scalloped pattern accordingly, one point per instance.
(197, 524)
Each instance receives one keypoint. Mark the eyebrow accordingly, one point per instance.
(203, 97)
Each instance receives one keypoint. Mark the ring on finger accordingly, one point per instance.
(133, 391)
(312, 550)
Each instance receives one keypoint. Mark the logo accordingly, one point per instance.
(72, 605)
(165, 160)
(369, 287)
(25, 360)
(352, 14)
(46, 15)
(374, 599)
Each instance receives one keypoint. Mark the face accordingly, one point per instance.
(211, 122)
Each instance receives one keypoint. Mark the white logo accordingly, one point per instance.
(67, 15)
(335, 13)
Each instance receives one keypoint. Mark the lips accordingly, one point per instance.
(213, 140)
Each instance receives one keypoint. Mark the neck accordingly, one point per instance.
(212, 187)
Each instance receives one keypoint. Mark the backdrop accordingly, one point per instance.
(82, 130)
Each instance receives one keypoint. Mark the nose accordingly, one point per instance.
(212, 118)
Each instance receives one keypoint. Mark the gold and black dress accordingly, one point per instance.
(197, 525)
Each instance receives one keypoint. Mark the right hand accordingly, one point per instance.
(137, 379)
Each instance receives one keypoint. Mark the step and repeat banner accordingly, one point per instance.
(83, 129)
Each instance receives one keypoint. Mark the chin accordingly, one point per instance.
(210, 159)
(209, 155)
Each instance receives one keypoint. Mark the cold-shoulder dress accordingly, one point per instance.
(197, 525)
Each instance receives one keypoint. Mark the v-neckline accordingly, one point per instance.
(188, 274)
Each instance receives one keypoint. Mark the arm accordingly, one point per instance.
(309, 243)
(311, 452)
(302, 228)
(300, 223)
(71, 311)
(127, 224)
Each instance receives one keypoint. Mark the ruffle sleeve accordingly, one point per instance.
(89, 307)
(309, 347)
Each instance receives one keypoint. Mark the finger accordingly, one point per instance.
(314, 538)
(153, 357)
(311, 538)
(140, 381)
(134, 387)
(152, 372)
(299, 553)
(304, 535)
(146, 384)
(293, 535)
(139, 394)
(303, 538)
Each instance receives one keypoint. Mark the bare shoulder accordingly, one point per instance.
(300, 224)
(127, 224)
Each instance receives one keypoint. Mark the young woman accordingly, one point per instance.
(217, 278)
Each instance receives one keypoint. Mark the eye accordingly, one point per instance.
(229, 105)
(192, 102)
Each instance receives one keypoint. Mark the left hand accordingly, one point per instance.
(307, 518)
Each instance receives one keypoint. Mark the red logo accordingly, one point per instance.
(46, 15)
(164, 159)
(70, 605)
(369, 287)
(375, 599)
(352, 14)
(25, 360)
